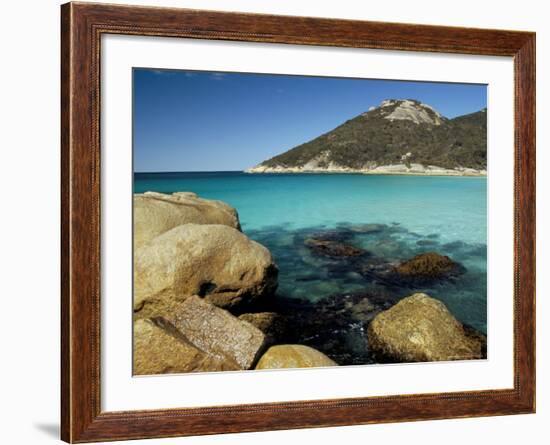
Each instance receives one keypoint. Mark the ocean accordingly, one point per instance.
(411, 214)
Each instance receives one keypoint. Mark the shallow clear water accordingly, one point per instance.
(417, 213)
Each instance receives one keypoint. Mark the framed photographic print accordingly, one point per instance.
(274, 222)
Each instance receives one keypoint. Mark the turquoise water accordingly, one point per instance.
(418, 213)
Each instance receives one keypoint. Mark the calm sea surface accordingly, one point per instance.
(418, 213)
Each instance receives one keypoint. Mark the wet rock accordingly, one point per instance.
(156, 351)
(216, 332)
(427, 268)
(293, 356)
(420, 328)
(214, 261)
(156, 213)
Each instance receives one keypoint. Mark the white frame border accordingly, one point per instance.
(121, 391)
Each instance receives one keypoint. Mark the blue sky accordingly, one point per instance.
(206, 121)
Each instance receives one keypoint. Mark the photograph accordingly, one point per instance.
(290, 221)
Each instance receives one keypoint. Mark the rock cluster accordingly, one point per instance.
(213, 261)
(337, 325)
(185, 245)
(192, 266)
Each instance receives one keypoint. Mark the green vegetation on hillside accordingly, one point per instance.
(374, 138)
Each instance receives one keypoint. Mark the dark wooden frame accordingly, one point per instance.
(82, 25)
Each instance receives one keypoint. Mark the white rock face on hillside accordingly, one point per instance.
(313, 163)
(413, 111)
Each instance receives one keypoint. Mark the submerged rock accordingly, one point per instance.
(156, 351)
(339, 234)
(389, 248)
(421, 270)
(216, 332)
(293, 356)
(216, 262)
(156, 213)
(426, 242)
(420, 328)
(428, 267)
(335, 249)
(368, 228)
(336, 325)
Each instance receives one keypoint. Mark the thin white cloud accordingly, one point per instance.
(163, 72)
(218, 76)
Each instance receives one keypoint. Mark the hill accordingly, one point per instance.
(399, 136)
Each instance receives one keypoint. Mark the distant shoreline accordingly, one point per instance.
(326, 172)
(396, 169)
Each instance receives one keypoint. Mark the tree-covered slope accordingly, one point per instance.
(396, 132)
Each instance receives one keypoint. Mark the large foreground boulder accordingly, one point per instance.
(420, 328)
(216, 332)
(156, 351)
(213, 261)
(156, 213)
(293, 356)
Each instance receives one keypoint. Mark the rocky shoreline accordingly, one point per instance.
(205, 299)
(394, 169)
